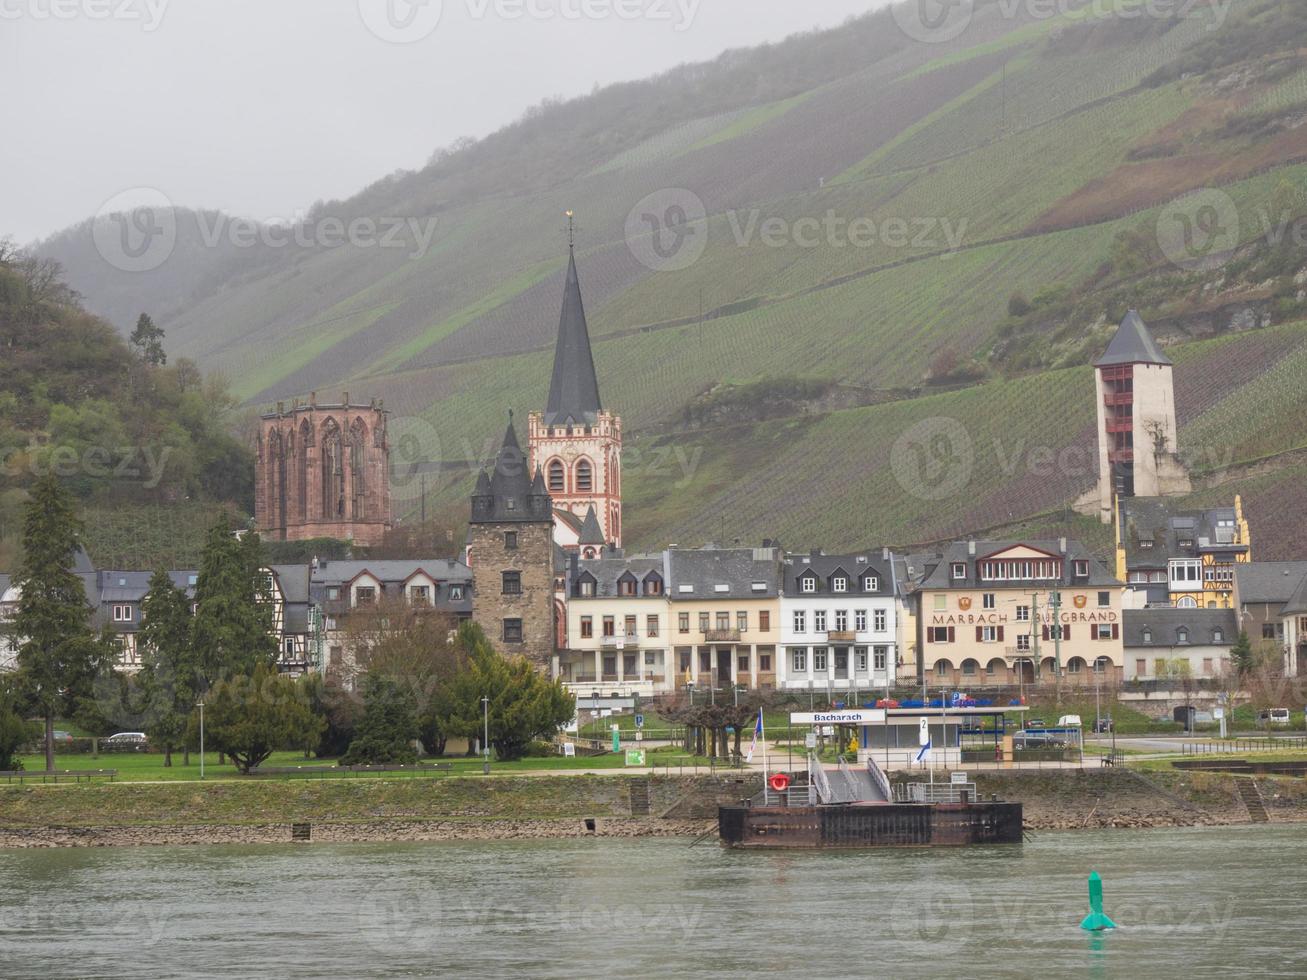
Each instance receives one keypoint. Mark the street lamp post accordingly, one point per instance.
(485, 744)
(200, 705)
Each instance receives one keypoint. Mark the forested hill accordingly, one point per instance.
(1014, 189)
(120, 426)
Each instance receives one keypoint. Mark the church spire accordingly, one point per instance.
(574, 389)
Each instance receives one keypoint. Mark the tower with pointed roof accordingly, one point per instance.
(1136, 420)
(511, 551)
(575, 442)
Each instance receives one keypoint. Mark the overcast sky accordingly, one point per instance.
(261, 107)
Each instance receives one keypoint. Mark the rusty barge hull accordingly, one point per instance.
(871, 825)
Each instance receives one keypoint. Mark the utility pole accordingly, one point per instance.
(1057, 644)
(1035, 629)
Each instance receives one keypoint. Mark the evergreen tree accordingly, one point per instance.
(231, 631)
(389, 726)
(168, 670)
(147, 341)
(250, 717)
(14, 733)
(58, 653)
(1241, 655)
(523, 704)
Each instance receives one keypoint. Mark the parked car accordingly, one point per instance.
(1103, 726)
(1274, 716)
(126, 740)
(1035, 723)
(1069, 721)
(62, 736)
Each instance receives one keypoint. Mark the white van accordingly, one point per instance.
(1274, 716)
(1069, 721)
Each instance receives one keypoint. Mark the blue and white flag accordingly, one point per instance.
(757, 734)
(924, 753)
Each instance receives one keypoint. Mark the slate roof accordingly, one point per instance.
(855, 567)
(391, 571)
(1271, 582)
(1132, 344)
(607, 571)
(1151, 519)
(940, 576)
(591, 532)
(508, 494)
(1297, 604)
(574, 388)
(1165, 622)
(723, 573)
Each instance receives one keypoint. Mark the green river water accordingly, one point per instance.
(1221, 902)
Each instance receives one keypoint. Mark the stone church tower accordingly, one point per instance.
(323, 471)
(511, 551)
(1136, 420)
(574, 441)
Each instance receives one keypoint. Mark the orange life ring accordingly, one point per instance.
(779, 782)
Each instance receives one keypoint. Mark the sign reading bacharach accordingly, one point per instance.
(850, 716)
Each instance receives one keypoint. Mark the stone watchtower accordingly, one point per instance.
(323, 471)
(511, 551)
(574, 441)
(1136, 420)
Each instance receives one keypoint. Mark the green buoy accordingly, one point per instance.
(1096, 921)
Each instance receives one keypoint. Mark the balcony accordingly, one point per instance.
(619, 642)
(841, 636)
(721, 636)
(1120, 455)
(1126, 424)
(1114, 398)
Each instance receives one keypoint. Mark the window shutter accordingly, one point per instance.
(952, 634)
(1000, 634)
(1045, 634)
(1116, 631)
(980, 634)
(1066, 632)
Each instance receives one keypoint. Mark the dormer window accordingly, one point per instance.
(333, 593)
(959, 571)
(420, 595)
(653, 585)
(808, 584)
(365, 595)
(626, 585)
(1218, 636)
(510, 503)
(1181, 636)
(122, 614)
(839, 584)
(456, 593)
(587, 588)
(1081, 568)
(1146, 544)
(1147, 635)
(870, 583)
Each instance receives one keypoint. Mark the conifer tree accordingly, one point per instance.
(385, 734)
(147, 341)
(58, 652)
(523, 704)
(231, 632)
(168, 669)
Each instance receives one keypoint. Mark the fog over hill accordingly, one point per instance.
(888, 225)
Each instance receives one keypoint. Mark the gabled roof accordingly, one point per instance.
(1297, 604)
(1132, 344)
(574, 388)
(1152, 519)
(723, 573)
(1163, 623)
(854, 567)
(939, 575)
(1268, 581)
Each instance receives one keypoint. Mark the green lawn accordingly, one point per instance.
(149, 767)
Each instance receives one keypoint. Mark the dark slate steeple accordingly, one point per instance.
(591, 532)
(1133, 344)
(574, 390)
(508, 493)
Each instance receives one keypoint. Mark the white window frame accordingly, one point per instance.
(839, 584)
(880, 621)
(808, 584)
(800, 621)
(819, 620)
(841, 620)
(860, 620)
(819, 660)
(799, 660)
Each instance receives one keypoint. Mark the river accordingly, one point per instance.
(1195, 903)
